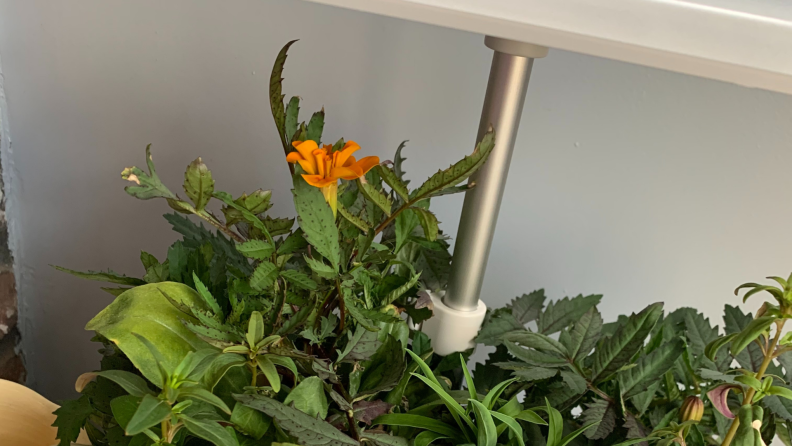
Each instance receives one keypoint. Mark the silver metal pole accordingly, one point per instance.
(503, 105)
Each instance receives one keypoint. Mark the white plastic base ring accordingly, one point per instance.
(452, 330)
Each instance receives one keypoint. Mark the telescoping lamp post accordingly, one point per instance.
(459, 313)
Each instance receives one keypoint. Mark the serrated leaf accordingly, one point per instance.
(294, 242)
(398, 292)
(404, 225)
(298, 279)
(276, 95)
(278, 226)
(384, 439)
(428, 221)
(306, 429)
(528, 307)
(325, 271)
(735, 321)
(264, 276)
(198, 184)
(211, 302)
(256, 249)
(147, 185)
(599, 411)
(103, 276)
(642, 400)
(291, 118)
(583, 336)
(699, 332)
(316, 220)
(495, 327)
(533, 357)
(354, 219)
(398, 162)
(315, 127)
(375, 196)
(575, 382)
(536, 341)
(71, 417)
(534, 373)
(393, 180)
(564, 312)
(458, 172)
(248, 216)
(614, 352)
(649, 368)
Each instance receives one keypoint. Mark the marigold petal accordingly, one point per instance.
(318, 180)
(293, 157)
(347, 173)
(306, 149)
(349, 148)
(350, 161)
(309, 166)
(367, 163)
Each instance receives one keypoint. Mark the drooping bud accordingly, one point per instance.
(761, 311)
(692, 409)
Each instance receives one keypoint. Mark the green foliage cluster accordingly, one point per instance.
(261, 330)
(633, 375)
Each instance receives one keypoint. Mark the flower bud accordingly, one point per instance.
(692, 409)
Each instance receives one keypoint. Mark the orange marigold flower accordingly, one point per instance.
(323, 167)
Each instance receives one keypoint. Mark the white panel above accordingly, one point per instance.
(747, 42)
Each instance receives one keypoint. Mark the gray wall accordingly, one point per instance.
(640, 184)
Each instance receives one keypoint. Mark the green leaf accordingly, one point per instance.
(583, 336)
(406, 222)
(264, 276)
(354, 219)
(537, 341)
(292, 117)
(492, 396)
(527, 374)
(418, 421)
(458, 172)
(575, 382)
(614, 352)
(375, 196)
(649, 368)
(133, 384)
(426, 438)
(487, 432)
(456, 410)
(398, 292)
(564, 312)
(250, 421)
(752, 331)
(534, 357)
(528, 307)
(299, 279)
(530, 416)
(393, 180)
(294, 242)
(146, 311)
(307, 430)
(699, 332)
(71, 417)
(198, 184)
(316, 220)
(780, 391)
(384, 439)
(276, 95)
(711, 350)
(255, 331)
(495, 327)
(398, 161)
(513, 425)
(471, 386)
(277, 226)
(206, 295)
(385, 369)
(103, 276)
(256, 249)
(248, 216)
(201, 394)
(309, 397)
(600, 412)
(123, 408)
(151, 412)
(735, 321)
(147, 185)
(209, 430)
(428, 222)
(219, 367)
(315, 126)
(322, 270)
(268, 369)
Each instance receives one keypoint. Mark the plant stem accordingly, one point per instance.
(341, 308)
(212, 221)
(254, 373)
(759, 374)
